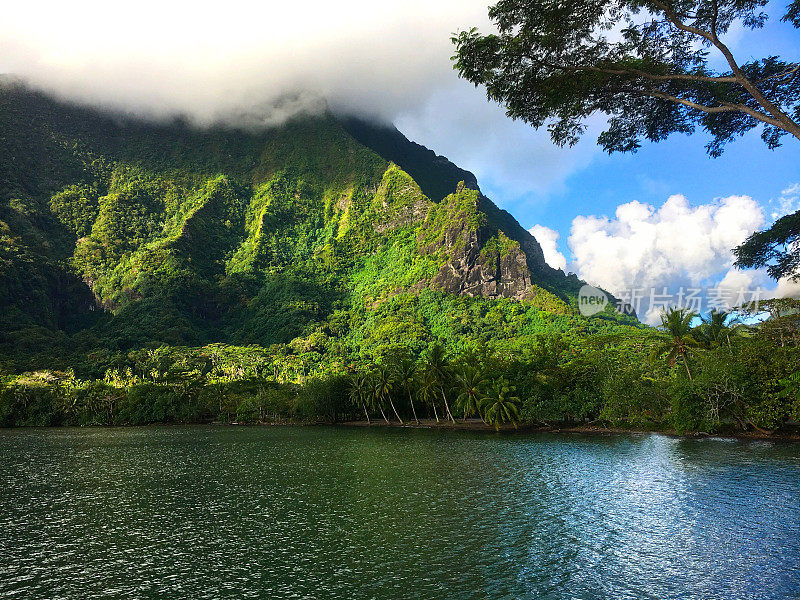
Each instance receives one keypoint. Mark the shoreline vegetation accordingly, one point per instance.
(714, 378)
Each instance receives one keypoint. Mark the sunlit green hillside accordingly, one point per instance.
(328, 269)
(119, 234)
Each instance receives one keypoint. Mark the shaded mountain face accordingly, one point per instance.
(436, 176)
(143, 232)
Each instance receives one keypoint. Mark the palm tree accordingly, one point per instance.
(383, 378)
(438, 367)
(359, 391)
(404, 372)
(718, 327)
(501, 406)
(428, 391)
(676, 336)
(376, 394)
(471, 385)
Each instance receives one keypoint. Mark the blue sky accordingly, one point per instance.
(679, 165)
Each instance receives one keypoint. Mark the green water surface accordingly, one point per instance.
(316, 512)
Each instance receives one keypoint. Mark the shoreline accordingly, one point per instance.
(480, 426)
(474, 425)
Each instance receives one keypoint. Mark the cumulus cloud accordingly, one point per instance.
(213, 61)
(659, 251)
(644, 245)
(787, 203)
(548, 240)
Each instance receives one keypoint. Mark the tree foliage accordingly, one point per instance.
(744, 383)
(644, 63)
(776, 248)
(677, 336)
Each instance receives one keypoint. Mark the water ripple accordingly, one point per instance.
(223, 512)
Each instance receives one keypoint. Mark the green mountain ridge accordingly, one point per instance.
(328, 237)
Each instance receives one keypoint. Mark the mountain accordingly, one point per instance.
(322, 238)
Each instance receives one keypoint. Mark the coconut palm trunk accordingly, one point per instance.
(447, 406)
(686, 364)
(413, 410)
(366, 413)
(396, 414)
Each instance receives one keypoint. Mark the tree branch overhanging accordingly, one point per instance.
(723, 107)
(783, 120)
(546, 63)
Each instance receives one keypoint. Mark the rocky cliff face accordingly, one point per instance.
(473, 269)
(506, 277)
(472, 275)
(484, 262)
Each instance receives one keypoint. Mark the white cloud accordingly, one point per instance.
(787, 203)
(674, 246)
(211, 60)
(787, 288)
(548, 240)
(511, 159)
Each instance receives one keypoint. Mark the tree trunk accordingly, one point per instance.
(435, 414)
(413, 410)
(686, 364)
(447, 406)
(757, 428)
(366, 412)
(384, 416)
(396, 414)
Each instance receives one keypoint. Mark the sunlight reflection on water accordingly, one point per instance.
(218, 512)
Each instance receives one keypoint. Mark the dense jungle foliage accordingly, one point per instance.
(154, 272)
(718, 376)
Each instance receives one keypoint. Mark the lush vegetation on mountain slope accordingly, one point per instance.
(120, 234)
(156, 272)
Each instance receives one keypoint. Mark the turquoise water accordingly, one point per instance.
(285, 512)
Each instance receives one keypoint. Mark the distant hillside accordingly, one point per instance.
(322, 238)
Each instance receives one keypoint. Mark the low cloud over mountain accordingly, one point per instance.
(237, 60)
